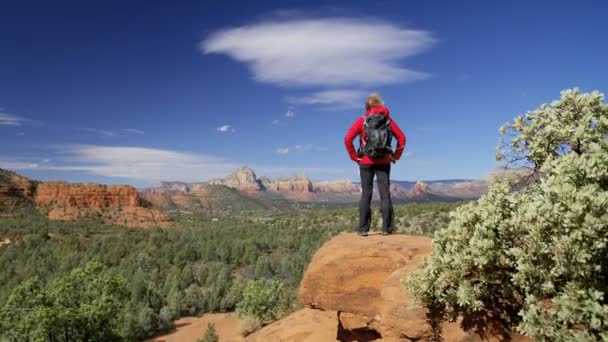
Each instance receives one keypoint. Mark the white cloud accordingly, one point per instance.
(282, 150)
(113, 133)
(17, 165)
(136, 163)
(323, 51)
(12, 120)
(133, 130)
(225, 129)
(310, 147)
(333, 99)
(103, 132)
(290, 114)
(275, 122)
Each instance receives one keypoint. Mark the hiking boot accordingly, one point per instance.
(387, 232)
(362, 233)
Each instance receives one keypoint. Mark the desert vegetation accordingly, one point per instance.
(54, 271)
(532, 254)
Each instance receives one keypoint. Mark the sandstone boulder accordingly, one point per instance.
(361, 278)
(306, 325)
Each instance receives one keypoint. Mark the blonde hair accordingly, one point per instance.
(373, 100)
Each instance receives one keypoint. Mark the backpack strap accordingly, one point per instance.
(362, 138)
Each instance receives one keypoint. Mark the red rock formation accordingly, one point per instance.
(15, 190)
(87, 195)
(119, 204)
(337, 186)
(298, 183)
(420, 189)
(301, 188)
(243, 179)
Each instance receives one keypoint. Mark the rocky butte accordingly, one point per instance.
(302, 188)
(15, 190)
(118, 204)
(243, 179)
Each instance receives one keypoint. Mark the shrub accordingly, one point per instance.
(249, 325)
(535, 258)
(210, 334)
(264, 299)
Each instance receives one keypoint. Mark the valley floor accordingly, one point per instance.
(189, 329)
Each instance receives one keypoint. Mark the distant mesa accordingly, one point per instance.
(241, 190)
(243, 179)
(118, 204)
(420, 189)
(300, 188)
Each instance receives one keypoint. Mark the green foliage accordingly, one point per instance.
(248, 325)
(537, 258)
(80, 306)
(571, 124)
(264, 299)
(210, 334)
(200, 266)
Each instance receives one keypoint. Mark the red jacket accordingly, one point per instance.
(357, 130)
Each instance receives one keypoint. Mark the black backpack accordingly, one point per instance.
(378, 136)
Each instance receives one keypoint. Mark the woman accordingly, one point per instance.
(371, 165)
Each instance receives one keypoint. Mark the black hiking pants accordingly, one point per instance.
(367, 173)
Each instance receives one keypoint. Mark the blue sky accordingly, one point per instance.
(141, 91)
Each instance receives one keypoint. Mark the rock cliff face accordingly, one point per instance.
(87, 195)
(338, 186)
(243, 179)
(15, 190)
(354, 285)
(420, 189)
(298, 183)
(119, 204)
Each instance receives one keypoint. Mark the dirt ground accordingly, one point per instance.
(188, 329)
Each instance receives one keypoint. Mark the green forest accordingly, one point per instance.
(88, 281)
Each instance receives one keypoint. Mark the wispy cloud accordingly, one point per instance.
(98, 131)
(282, 150)
(323, 51)
(148, 165)
(332, 99)
(13, 120)
(290, 114)
(133, 130)
(112, 133)
(128, 162)
(225, 129)
(310, 147)
(275, 122)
